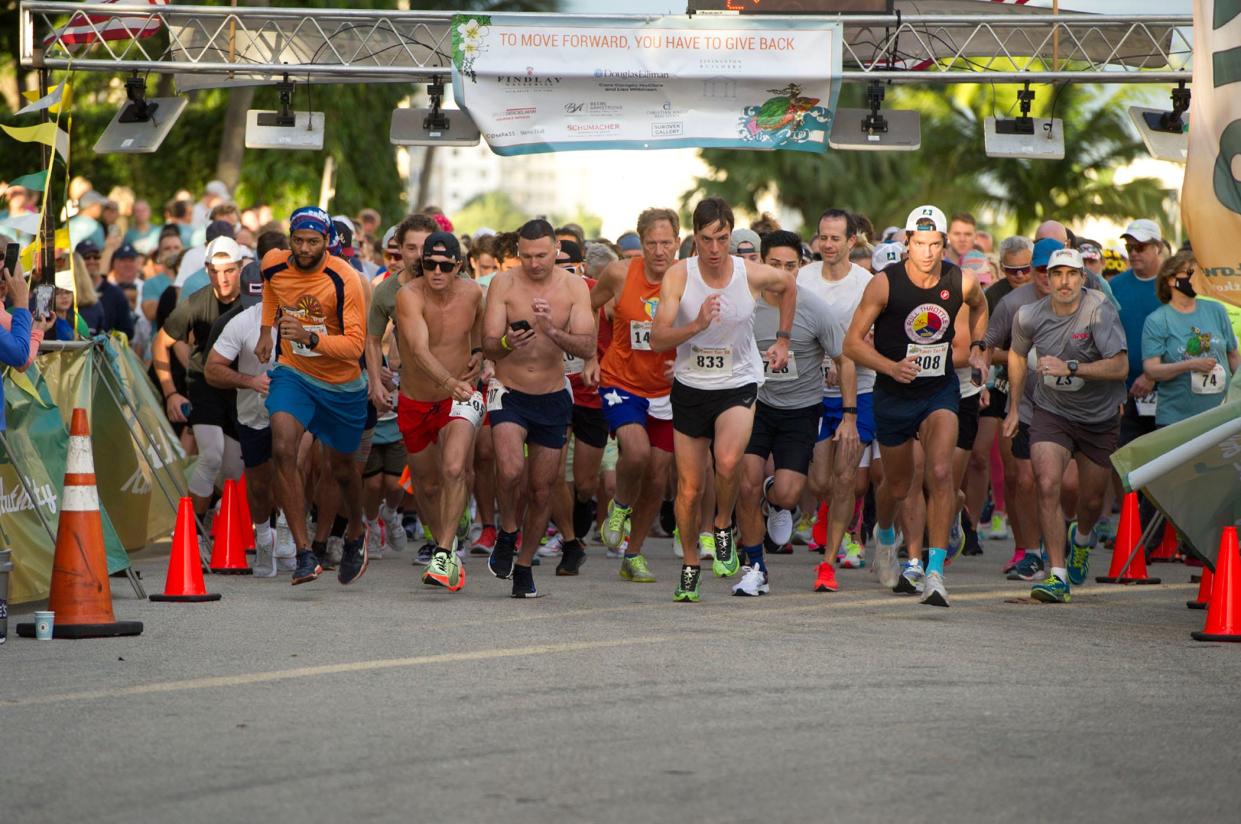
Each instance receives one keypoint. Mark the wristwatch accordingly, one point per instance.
(314, 340)
(980, 344)
(848, 410)
(1072, 364)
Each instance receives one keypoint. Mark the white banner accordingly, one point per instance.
(534, 85)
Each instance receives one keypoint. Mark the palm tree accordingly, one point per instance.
(951, 168)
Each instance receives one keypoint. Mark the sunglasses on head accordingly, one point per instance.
(444, 266)
(1017, 270)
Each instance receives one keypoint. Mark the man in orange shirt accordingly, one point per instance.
(635, 385)
(316, 302)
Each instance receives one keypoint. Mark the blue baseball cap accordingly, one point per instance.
(1043, 250)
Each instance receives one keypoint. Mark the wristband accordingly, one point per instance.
(477, 349)
(781, 334)
(981, 344)
(848, 410)
(504, 343)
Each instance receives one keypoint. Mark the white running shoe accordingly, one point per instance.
(394, 531)
(335, 548)
(780, 525)
(887, 565)
(374, 541)
(912, 579)
(552, 548)
(753, 582)
(933, 592)
(264, 565)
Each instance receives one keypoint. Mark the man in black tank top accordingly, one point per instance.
(913, 307)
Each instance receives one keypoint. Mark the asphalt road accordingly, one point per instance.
(606, 701)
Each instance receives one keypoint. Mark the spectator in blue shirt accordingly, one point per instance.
(15, 342)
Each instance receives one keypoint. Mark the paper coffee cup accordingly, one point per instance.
(43, 623)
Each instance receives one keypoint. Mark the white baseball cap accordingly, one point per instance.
(223, 250)
(924, 213)
(1144, 231)
(886, 254)
(1065, 257)
(218, 188)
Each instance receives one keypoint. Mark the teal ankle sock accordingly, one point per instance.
(886, 535)
(935, 560)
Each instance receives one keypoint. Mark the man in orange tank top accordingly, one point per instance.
(635, 382)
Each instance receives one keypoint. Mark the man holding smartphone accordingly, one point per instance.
(536, 313)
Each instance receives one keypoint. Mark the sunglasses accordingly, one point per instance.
(1188, 273)
(1136, 248)
(445, 266)
(92, 257)
(1017, 270)
(392, 255)
(568, 267)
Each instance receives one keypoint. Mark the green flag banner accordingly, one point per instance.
(31, 480)
(1191, 470)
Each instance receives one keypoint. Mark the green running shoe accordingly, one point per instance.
(726, 562)
(615, 525)
(687, 588)
(635, 569)
(1051, 591)
(1079, 556)
(706, 546)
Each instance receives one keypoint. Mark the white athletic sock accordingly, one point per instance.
(262, 533)
(1061, 573)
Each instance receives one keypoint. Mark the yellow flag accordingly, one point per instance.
(1211, 194)
(49, 134)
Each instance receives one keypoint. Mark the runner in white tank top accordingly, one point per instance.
(724, 355)
(706, 313)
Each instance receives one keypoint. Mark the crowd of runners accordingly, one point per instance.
(890, 400)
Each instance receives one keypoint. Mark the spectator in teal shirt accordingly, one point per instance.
(1188, 346)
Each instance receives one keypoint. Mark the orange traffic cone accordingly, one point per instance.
(1204, 591)
(1224, 609)
(81, 596)
(1166, 553)
(406, 481)
(185, 573)
(228, 554)
(1125, 550)
(247, 525)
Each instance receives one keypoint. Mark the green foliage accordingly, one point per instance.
(357, 117)
(951, 169)
(494, 210)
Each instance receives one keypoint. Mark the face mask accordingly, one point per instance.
(1185, 286)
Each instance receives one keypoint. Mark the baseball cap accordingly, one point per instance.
(572, 252)
(741, 238)
(924, 214)
(1090, 249)
(344, 235)
(251, 284)
(217, 188)
(1043, 249)
(64, 280)
(127, 250)
(91, 198)
(223, 250)
(629, 242)
(886, 254)
(389, 237)
(219, 228)
(1144, 231)
(442, 243)
(1065, 257)
(86, 248)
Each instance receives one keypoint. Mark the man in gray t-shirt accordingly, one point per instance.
(1077, 344)
(786, 417)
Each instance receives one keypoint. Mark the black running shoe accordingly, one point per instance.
(523, 582)
(971, 546)
(572, 556)
(423, 556)
(353, 561)
(501, 561)
(307, 569)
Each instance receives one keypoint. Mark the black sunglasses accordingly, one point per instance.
(445, 266)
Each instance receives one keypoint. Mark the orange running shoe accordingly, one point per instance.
(445, 571)
(826, 581)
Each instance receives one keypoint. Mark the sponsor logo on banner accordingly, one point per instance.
(18, 499)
